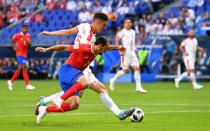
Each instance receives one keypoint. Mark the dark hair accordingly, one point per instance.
(24, 25)
(101, 40)
(127, 18)
(100, 16)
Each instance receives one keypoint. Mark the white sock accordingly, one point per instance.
(108, 102)
(49, 99)
(182, 76)
(118, 75)
(137, 78)
(193, 79)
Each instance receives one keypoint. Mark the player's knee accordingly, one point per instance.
(85, 83)
(125, 71)
(76, 104)
(102, 89)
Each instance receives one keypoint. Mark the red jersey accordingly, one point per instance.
(81, 56)
(22, 43)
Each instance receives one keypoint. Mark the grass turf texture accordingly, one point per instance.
(166, 108)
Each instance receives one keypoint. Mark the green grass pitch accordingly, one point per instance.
(166, 108)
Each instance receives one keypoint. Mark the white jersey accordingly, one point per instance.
(190, 46)
(85, 35)
(128, 39)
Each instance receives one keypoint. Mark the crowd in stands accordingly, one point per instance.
(13, 10)
(38, 69)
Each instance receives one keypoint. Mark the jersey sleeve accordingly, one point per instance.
(119, 34)
(183, 42)
(15, 37)
(196, 42)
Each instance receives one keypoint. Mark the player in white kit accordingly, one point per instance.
(127, 36)
(86, 35)
(189, 47)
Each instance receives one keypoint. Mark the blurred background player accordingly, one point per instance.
(85, 35)
(127, 35)
(189, 47)
(23, 40)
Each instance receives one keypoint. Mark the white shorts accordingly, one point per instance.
(189, 62)
(89, 75)
(129, 60)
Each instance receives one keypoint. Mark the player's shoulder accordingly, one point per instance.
(84, 24)
(28, 34)
(185, 39)
(18, 34)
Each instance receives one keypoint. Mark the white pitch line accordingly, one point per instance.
(10, 106)
(102, 113)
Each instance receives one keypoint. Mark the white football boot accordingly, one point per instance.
(42, 113)
(140, 89)
(30, 87)
(176, 83)
(9, 85)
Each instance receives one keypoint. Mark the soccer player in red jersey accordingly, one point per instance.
(71, 77)
(23, 40)
(86, 34)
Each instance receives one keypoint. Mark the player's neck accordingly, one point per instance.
(93, 29)
(127, 28)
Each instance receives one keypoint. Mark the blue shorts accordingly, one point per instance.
(21, 60)
(68, 76)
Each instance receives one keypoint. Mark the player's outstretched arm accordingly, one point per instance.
(60, 32)
(120, 48)
(53, 48)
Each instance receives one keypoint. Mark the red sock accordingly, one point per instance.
(15, 76)
(25, 77)
(73, 90)
(64, 107)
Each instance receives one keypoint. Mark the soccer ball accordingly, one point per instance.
(137, 115)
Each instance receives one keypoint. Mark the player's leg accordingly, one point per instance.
(137, 78)
(72, 104)
(135, 65)
(125, 65)
(17, 73)
(184, 74)
(26, 77)
(193, 79)
(45, 100)
(108, 102)
(14, 77)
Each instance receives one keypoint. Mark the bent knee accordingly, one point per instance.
(125, 71)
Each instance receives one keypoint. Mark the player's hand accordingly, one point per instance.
(15, 48)
(44, 33)
(40, 49)
(122, 50)
(186, 54)
(203, 52)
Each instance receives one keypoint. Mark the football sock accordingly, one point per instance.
(108, 102)
(49, 99)
(15, 76)
(118, 75)
(182, 76)
(193, 79)
(137, 78)
(64, 107)
(25, 77)
(73, 90)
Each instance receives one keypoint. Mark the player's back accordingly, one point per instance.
(128, 39)
(81, 56)
(85, 34)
